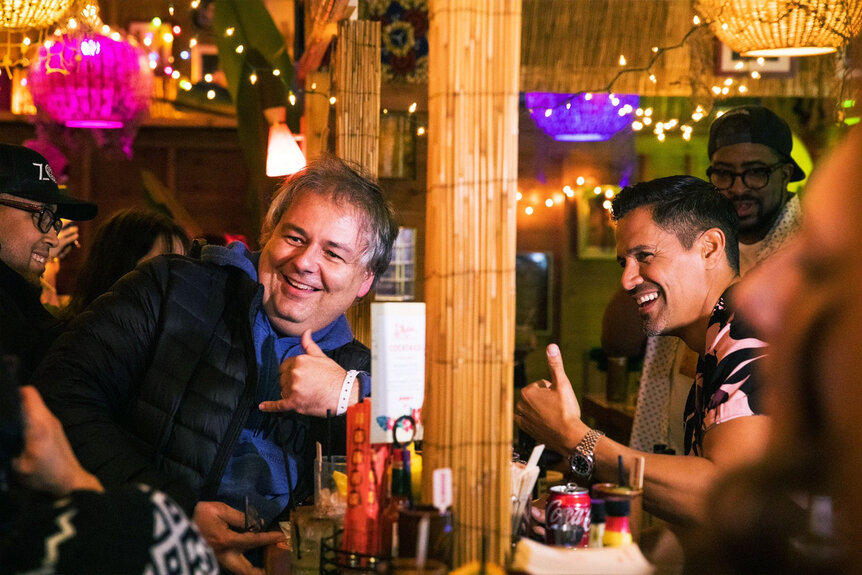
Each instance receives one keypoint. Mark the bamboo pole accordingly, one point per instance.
(357, 120)
(470, 257)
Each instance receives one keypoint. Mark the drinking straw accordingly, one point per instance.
(622, 478)
(298, 538)
(422, 541)
(328, 435)
(405, 459)
(535, 455)
(318, 477)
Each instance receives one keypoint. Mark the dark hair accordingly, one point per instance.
(686, 207)
(123, 239)
(331, 177)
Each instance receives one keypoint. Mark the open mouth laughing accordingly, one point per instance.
(299, 286)
(646, 298)
(744, 208)
(40, 258)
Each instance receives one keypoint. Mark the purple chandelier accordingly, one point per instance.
(583, 117)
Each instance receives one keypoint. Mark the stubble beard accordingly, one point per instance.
(654, 326)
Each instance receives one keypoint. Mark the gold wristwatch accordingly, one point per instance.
(582, 460)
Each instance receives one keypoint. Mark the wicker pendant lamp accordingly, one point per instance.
(22, 23)
(772, 28)
(29, 14)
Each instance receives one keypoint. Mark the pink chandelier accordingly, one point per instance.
(92, 80)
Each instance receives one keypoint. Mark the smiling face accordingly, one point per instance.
(311, 267)
(757, 209)
(22, 246)
(666, 280)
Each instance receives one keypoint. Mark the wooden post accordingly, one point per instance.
(470, 264)
(357, 120)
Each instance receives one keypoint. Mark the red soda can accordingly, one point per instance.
(567, 516)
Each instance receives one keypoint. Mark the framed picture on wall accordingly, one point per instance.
(534, 291)
(730, 63)
(595, 230)
(204, 59)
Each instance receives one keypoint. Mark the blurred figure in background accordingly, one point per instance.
(806, 301)
(55, 517)
(124, 240)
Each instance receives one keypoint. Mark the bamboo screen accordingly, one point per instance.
(470, 260)
(357, 119)
(575, 45)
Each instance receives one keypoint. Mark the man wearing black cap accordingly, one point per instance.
(750, 163)
(31, 205)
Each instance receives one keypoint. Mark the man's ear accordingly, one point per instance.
(787, 173)
(366, 285)
(712, 247)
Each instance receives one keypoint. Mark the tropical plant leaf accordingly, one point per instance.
(253, 27)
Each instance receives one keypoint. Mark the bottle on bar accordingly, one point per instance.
(617, 532)
(399, 498)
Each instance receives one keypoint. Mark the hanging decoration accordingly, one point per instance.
(782, 27)
(92, 80)
(584, 117)
(404, 28)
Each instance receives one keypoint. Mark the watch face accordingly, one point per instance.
(581, 465)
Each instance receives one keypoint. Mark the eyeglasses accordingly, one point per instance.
(752, 178)
(43, 218)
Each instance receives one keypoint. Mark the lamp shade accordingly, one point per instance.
(20, 15)
(782, 27)
(582, 117)
(91, 81)
(283, 156)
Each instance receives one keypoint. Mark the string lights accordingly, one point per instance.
(643, 118)
(585, 187)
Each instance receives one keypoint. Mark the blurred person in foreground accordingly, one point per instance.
(210, 379)
(676, 242)
(807, 301)
(127, 238)
(55, 517)
(31, 205)
(750, 163)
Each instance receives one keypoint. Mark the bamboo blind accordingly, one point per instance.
(470, 260)
(357, 119)
(574, 45)
(316, 117)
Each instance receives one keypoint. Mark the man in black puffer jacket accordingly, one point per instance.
(207, 378)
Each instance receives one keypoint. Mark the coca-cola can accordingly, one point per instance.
(567, 516)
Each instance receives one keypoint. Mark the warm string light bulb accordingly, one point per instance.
(555, 198)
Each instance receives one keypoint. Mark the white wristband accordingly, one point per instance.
(346, 388)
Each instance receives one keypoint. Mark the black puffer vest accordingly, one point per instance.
(154, 381)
